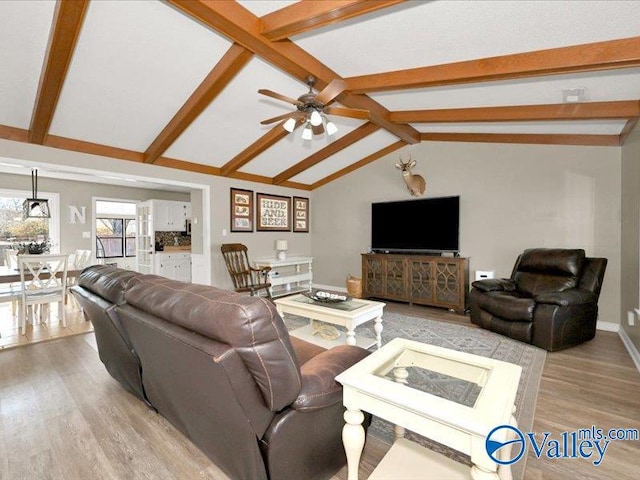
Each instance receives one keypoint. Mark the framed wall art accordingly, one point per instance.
(274, 213)
(300, 214)
(241, 210)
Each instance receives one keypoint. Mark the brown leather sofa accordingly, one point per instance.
(550, 301)
(222, 368)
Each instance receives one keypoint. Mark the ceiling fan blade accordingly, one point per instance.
(347, 112)
(277, 96)
(317, 129)
(331, 91)
(278, 118)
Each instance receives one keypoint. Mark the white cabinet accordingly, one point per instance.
(170, 216)
(176, 266)
(288, 276)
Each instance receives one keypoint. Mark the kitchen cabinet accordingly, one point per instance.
(170, 216)
(176, 266)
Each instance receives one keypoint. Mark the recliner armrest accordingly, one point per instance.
(573, 296)
(495, 284)
(319, 386)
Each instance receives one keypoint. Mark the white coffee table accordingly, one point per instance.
(383, 385)
(349, 314)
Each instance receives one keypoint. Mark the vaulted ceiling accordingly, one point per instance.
(175, 83)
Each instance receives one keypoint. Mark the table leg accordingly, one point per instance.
(504, 471)
(351, 335)
(479, 473)
(378, 328)
(400, 375)
(353, 441)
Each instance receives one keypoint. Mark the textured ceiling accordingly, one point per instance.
(175, 83)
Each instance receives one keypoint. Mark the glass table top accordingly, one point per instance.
(436, 375)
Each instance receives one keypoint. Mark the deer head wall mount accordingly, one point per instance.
(415, 183)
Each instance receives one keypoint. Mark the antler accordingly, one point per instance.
(405, 163)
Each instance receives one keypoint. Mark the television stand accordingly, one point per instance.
(431, 280)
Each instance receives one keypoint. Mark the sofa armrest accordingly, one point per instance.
(573, 296)
(319, 387)
(495, 284)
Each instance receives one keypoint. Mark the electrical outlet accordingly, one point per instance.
(631, 317)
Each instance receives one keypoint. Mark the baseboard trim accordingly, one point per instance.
(608, 326)
(631, 348)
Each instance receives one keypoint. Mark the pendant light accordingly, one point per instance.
(35, 207)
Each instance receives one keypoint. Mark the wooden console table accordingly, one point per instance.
(421, 279)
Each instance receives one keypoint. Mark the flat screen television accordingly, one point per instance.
(428, 225)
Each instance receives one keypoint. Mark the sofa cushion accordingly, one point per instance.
(547, 270)
(106, 281)
(249, 324)
(510, 306)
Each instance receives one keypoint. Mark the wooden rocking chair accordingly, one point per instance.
(245, 278)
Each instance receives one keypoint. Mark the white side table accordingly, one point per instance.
(379, 384)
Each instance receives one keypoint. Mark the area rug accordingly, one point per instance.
(465, 339)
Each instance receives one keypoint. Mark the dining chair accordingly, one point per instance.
(80, 260)
(10, 293)
(11, 258)
(43, 281)
(7, 290)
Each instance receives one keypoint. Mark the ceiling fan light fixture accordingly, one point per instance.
(290, 125)
(315, 119)
(331, 128)
(307, 133)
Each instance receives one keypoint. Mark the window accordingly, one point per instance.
(115, 229)
(14, 229)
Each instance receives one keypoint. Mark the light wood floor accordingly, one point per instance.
(51, 329)
(62, 416)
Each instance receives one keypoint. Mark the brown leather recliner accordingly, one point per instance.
(550, 301)
(222, 368)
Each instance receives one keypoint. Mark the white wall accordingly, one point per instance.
(630, 274)
(512, 197)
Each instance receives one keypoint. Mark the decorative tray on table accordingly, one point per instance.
(326, 297)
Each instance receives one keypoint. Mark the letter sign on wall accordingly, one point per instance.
(77, 214)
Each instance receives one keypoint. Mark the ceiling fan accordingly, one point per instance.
(312, 109)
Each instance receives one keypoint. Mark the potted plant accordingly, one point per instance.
(34, 248)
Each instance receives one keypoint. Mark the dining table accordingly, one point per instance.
(12, 275)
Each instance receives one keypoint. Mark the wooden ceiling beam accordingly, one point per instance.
(360, 163)
(14, 133)
(350, 138)
(256, 148)
(67, 22)
(92, 148)
(220, 76)
(534, 139)
(237, 23)
(309, 14)
(607, 55)
(561, 111)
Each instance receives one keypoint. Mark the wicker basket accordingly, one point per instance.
(354, 286)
